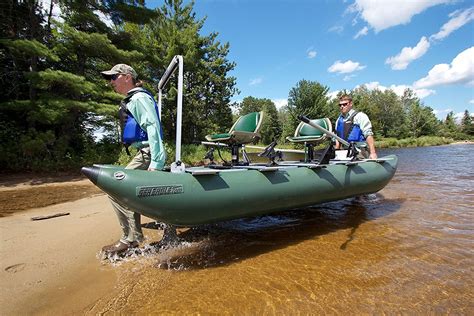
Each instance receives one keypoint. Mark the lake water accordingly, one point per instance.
(407, 249)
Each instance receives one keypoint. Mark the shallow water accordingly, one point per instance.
(406, 249)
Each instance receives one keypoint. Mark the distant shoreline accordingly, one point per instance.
(469, 142)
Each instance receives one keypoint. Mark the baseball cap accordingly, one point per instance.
(120, 69)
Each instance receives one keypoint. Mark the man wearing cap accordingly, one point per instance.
(354, 126)
(141, 129)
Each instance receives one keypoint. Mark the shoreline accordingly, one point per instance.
(52, 266)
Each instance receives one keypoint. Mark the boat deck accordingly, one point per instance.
(206, 170)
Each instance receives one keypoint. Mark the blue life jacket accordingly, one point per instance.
(348, 130)
(131, 130)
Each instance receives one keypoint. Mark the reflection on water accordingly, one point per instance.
(406, 249)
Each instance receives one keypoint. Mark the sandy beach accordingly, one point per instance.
(53, 265)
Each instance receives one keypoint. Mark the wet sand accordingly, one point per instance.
(52, 265)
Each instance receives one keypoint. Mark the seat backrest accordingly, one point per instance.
(304, 129)
(250, 122)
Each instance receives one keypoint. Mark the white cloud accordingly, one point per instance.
(255, 81)
(381, 15)
(460, 71)
(398, 89)
(408, 54)
(471, 101)
(458, 19)
(311, 54)
(348, 77)
(345, 67)
(362, 32)
(441, 114)
(279, 103)
(333, 94)
(336, 29)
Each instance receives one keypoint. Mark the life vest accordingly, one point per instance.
(131, 130)
(349, 131)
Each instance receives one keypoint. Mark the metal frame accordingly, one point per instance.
(176, 62)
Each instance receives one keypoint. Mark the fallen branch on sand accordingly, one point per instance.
(38, 218)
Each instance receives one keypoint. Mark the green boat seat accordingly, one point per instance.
(305, 133)
(244, 131)
(311, 136)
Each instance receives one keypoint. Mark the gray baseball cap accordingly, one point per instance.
(120, 69)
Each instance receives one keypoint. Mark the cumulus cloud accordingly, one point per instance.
(279, 103)
(398, 89)
(460, 71)
(408, 54)
(255, 81)
(345, 67)
(311, 53)
(381, 15)
(362, 32)
(458, 19)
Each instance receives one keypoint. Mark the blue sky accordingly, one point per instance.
(425, 45)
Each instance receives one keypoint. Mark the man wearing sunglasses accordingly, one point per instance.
(141, 129)
(354, 126)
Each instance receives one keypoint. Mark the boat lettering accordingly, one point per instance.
(159, 190)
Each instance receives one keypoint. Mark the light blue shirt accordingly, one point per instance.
(143, 110)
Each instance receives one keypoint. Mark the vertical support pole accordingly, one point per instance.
(159, 103)
(179, 113)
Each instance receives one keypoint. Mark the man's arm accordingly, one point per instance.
(366, 127)
(371, 142)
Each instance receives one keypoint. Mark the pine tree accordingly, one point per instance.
(55, 96)
(208, 86)
(467, 126)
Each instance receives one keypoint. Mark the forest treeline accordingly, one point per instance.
(54, 100)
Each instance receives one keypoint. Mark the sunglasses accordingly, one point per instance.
(343, 104)
(114, 77)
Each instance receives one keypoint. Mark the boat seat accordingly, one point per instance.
(244, 131)
(306, 133)
(311, 136)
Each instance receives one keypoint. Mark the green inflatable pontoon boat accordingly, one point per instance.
(185, 196)
(203, 195)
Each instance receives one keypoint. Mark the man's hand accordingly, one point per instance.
(152, 169)
(373, 155)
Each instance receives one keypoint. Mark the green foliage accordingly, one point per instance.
(307, 98)
(419, 120)
(467, 126)
(28, 49)
(413, 142)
